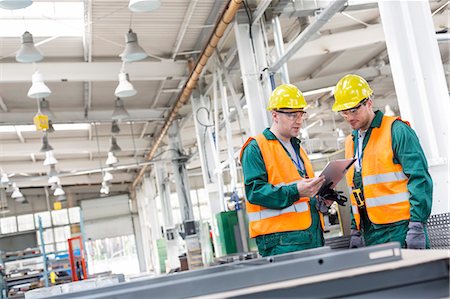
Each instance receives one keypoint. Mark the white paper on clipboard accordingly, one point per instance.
(335, 171)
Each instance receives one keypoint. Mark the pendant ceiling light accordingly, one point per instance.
(115, 127)
(107, 177)
(38, 89)
(133, 51)
(54, 180)
(44, 107)
(15, 4)
(143, 5)
(104, 189)
(114, 148)
(125, 88)
(111, 160)
(45, 145)
(4, 179)
(52, 172)
(59, 191)
(119, 112)
(16, 193)
(28, 52)
(50, 159)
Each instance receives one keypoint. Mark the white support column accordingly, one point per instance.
(166, 208)
(180, 173)
(152, 221)
(212, 182)
(164, 194)
(228, 133)
(144, 229)
(255, 94)
(420, 84)
(279, 46)
(205, 143)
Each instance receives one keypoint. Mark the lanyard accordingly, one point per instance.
(298, 162)
(359, 149)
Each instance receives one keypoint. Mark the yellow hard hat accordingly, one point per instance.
(286, 96)
(350, 91)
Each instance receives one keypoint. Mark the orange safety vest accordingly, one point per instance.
(281, 171)
(385, 185)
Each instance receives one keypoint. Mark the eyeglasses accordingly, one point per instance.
(352, 111)
(293, 115)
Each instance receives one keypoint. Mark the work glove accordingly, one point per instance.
(356, 240)
(332, 195)
(322, 204)
(415, 237)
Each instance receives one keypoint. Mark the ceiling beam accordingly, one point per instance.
(63, 166)
(92, 71)
(78, 116)
(326, 81)
(70, 146)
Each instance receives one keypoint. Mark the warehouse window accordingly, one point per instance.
(62, 233)
(8, 225)
(117, 255)
(74, 214)
(60, 217)
(25, 222)
(46, 220)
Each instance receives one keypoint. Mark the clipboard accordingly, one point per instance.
(334, 172)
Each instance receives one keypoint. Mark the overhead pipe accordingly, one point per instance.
(227, 16)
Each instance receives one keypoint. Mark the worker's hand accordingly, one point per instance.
(310, 187)
(329, 195)
(415, 237)
(356, 240)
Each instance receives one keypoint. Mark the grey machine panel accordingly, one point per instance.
(287, 267)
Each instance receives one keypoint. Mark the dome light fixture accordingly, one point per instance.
(50, 158)
(125, 89)
(143, 5)
(112, 159)
(38, 89)
(28, 52)
(119, 112)
(114, 148)
(133, 51)
(15, 4)
(46, 147)
(59, 191)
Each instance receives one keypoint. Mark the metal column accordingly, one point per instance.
(180, 173)
(166, 208)
(256, 94)
(279, 46)
(212, 182)
(231, 159)
(143, 229)
(420, 84)
(153, 226)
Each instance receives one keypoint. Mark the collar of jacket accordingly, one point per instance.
(376, 123)
(270, 136)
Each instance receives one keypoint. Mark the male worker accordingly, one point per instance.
(279, 181)
(391, 189)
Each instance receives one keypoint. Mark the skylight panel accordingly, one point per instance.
(44, 19)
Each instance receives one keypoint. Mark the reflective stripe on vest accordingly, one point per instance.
(384, 178)
(387, 199)
(268, 213)
(384, 183)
